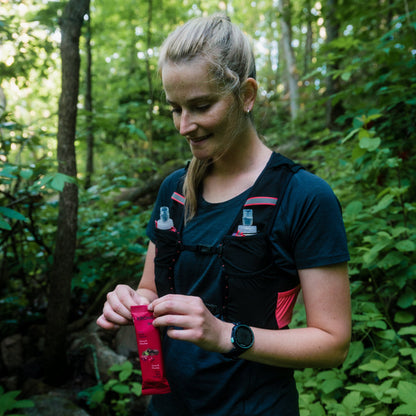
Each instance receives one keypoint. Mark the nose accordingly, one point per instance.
(186, 124)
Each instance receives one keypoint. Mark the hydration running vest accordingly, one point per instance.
(254, 292)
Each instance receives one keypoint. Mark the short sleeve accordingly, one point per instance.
(310, 223)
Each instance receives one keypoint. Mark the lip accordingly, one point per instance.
(197, 140)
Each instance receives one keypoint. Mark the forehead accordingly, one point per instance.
(188, 79)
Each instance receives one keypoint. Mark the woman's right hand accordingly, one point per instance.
(116, 309)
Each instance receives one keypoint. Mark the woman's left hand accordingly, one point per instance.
(188, 319)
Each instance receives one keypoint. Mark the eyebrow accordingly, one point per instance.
(193, 100)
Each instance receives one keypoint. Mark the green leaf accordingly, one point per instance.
(136, 389)
(405, 409)
(345, 76)
(370, 144)
(24, 404)
(409, 352)
(352, 400)
(125, 374)
(372, 366)
(137, 249)
(407, 393)
(11, 213)
(26, 173)
(370, 257)
(410, 330)
(350, 134)
(59, 180)
(120, 367)
(8, 401)
(392, 259)
(384, 203)
(56, 181)
(406, 299)
(403, 317)
(377, 324)
(316, 409)
(357, 152)
(388, 335)
(5, 225)
(121, 388)
(354, 208)
(355, 352)
(328, 386)
(110, 383)
(406, 246)
(7, 172)
(97, 396)
(391, 363)
(365, 388)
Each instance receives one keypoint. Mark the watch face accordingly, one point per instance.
(244, 336)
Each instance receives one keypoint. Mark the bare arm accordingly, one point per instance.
(323, 343)
(325, 340)
(116, 309)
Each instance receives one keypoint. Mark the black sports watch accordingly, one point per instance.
(242, 338)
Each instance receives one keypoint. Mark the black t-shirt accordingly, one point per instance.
(308, 232)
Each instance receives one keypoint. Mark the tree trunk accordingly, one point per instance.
(333, 109)
(309, 38)
(292, 73)
(88, 107)
(59, 295)
(150, 75)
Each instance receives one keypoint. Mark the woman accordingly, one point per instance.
(224, 297)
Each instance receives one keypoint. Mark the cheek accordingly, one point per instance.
(221, 120)
(176, 122)
(230, 122)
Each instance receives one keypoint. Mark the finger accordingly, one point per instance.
(114, 304)
(103, 323)
(170, 320)
(122, 299)
(114, 316)
(176, 304)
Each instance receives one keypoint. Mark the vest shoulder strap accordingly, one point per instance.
(264, 198)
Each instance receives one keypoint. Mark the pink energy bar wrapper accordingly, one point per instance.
(150, 352)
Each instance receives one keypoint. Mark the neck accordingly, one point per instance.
(247, 154)
(236, 172)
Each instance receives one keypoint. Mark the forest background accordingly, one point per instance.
(337, 94)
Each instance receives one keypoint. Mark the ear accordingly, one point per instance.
(249, 94)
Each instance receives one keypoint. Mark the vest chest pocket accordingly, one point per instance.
(247, 256)
(251, 281)
(167, 253)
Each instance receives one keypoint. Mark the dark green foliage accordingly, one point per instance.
(9, 402)
(371, 165)
(369, 158)
(117, 393)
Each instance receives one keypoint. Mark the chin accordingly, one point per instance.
(202, 157)
(201, 154)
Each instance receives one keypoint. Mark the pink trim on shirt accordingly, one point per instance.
(284, 306)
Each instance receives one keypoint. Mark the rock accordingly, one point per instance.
(53, 404)
(106, 358)
(34, 387)
(12, 353)
(98, 356)
(125, 341)
(10, 383)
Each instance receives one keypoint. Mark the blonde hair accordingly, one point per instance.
(228, 51)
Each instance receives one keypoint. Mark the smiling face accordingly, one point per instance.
(209, 119)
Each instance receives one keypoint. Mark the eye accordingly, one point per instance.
(203, 107)
(175, 110)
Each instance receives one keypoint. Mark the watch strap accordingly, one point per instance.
(240, 347)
